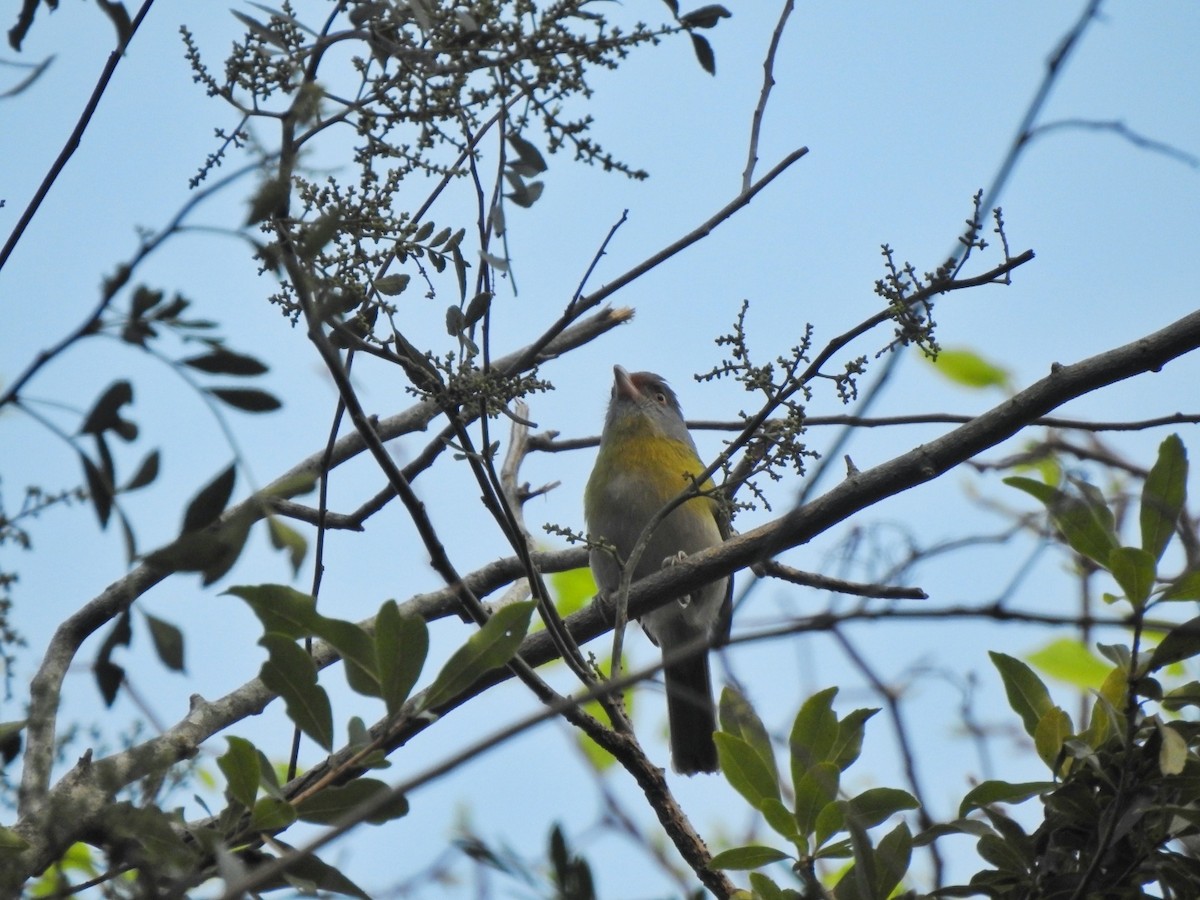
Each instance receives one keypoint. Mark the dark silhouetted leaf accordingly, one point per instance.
(168, 642)
(105, 414)
(225, 362)
(247, 399)
(704, 17)
(704, 53)
(206, 507)
(98, 489)
(108, 679)
(1180, 643)
(392, 284)
(146, 472)
(529, 155)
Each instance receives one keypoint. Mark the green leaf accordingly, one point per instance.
(892, 857)
(752, 856)
(1173, 753)
(816, 789)
(1134, 570)
(239, 764)
(873, 806)
(270, 198)
(401, 645)
(781, 819)
(849, 741)
(1027, 695)
(490, 647)
(988, 792)
(765, 889)
(168, 642)
(739, 718)
(1084, 519)
(1052, 730)
(1180, 643)
(284, 537)
(225, 362)
(814, 733)
(1185, 587)
(745, 770)
(572, 590)
(391, 285)
(246, 399)
(291, 674)
(969, 369)
(1163, 496)
(206, 507)
(281, 609)
(272, 814)
(357, 650)
(1069, 660)
(315, 874)
(152, 836)
(335, 803)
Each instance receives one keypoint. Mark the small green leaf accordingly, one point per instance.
(1052, 731)
(814, 733)
(1069, 660)
(206, 507)
(334, 803)
(291, 674)
(239, 765)
(1027, 695)
(357, 650)
(1173, 754)
(1134, 570)
(988, 792)
(739, 718)
(1185, 587)
(753, 856)
(572, 589)
(892, 857)
(1163, 496)
(969, 369)
(745, 770)
(168, 642)
(391, 285)
(281, 609)
(272, 814)
(490, 647)
(315, 874)
(1084, 519)
(816, 789)
(873, 806)
(849, 742)
(765, 889)
(401, 645)
(1180, 643)
(284, 537)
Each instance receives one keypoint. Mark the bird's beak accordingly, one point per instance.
(624, 386)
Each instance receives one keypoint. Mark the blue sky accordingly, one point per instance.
(906, 109)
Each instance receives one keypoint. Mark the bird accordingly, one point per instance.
(646, 459)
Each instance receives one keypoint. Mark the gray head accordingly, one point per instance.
(644, 400)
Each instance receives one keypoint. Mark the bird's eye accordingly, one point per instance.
(661, 398)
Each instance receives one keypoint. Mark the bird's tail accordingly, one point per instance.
(691, 715)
